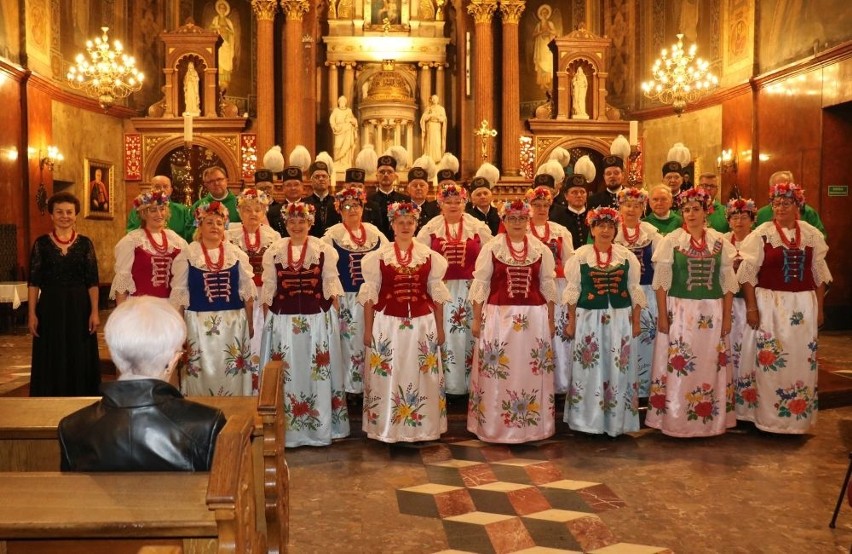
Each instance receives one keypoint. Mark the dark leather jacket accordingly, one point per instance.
(140, 425)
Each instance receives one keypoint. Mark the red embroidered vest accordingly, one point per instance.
(299, 291)
(152, 273)
(515, 285)
(403, 292)
(785, 269)
(461, 257)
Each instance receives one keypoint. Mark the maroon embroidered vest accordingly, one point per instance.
(152, 273)
(786, 269)
(403, 292)
(515, 285)
(299, 291)
(460, 256)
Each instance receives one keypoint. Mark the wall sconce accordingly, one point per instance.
(727, 162)
(50, 159)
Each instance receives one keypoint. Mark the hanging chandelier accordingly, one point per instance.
(107, 73)
(679, 78)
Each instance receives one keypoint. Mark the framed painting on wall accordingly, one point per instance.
(98, 189)
(392, 15)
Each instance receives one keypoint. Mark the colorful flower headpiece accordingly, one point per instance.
(789, 190)
(210, 208)
(349, 194)
(155, 198)
(601, 215)
(299, 209)
(634, 194)
(514, 207)
(398, 209)
(697, 195)
(741, 206)
(451, 190)
(252, 195)
(539, 193)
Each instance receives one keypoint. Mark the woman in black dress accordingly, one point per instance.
(63, 306)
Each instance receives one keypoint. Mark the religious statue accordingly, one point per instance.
(433, 129)
(579, 87)
(223, 25)
(344, 125)
(545, 31)
(190, 91)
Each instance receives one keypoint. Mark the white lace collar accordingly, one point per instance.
(314, 247)
(339, 234)
(139, 237)
(435, 226)
(235, 234)
(419, 254)
(195, 255)
(647, 234)
(680, 238)
(586, 255)
(502, 253)
(810, 234)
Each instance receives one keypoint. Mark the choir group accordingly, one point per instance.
(708, 311)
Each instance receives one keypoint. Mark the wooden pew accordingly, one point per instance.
(29, 441)
(122, 512)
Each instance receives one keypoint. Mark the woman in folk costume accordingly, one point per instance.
(691, 377)
(740, 214)
(604, 301)
(783, 275)
(352, 240)
(300, 285)
(403, 296)
(642, 239)
(458, 237)
(253, 236)
(561, 244)
(513, 294)
(213, 283)
(144, 257)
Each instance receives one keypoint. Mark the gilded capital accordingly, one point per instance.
(482, 10)
(294, 9)
(264, 10)
(511, 10)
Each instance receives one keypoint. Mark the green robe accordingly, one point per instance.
(665, 226)
(229, 201)
(718, 219)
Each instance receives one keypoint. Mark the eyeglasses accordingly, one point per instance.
(517, 219)
(216, 180)
(320, 177)
(739, 217)
(781, 203)
(353, 207)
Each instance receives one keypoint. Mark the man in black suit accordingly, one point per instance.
(558, 214)
(326, 215)
(286, 192)
(576, 194)
(386, 194)
(613, 173)
(355, 178)
(418, 189)
(480, 204)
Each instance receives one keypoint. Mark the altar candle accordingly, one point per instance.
(634, 133)
(187, 128)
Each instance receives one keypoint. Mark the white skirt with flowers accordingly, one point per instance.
(219, 360)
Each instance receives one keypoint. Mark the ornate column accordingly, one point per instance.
(440, 89)
(483, 57)
(425, 84)
(511, 11)
(293, 12)
(332, 85)
(348, 82)
(264, 11)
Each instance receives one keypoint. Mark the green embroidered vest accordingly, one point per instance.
(600, 289)
(697, 277)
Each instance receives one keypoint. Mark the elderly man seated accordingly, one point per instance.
(142, 423)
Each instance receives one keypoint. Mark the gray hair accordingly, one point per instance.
(663, 187)
(143, 334)
(211, 169)
(781, 176)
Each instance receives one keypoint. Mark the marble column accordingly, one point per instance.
(333, 85)
(425, 84)
(293, 12)
(264, 11)
(349, 82)
(483, 63)
(511, 11)
(440, 86)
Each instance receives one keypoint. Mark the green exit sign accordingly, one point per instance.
(838, 190)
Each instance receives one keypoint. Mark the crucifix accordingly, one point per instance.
(484, 134)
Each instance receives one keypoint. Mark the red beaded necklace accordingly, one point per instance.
(546, 238)
(626, 234)
(357, 241)
(296, 264)
(701, 244)
(599, 261)
(210, 265)
(403, 258)
(790, 244)
(518, 255)
(64, 242)
(159, 249)
(249, 246)
(449, 236)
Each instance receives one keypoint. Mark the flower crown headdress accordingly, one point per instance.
(514, 207)
(697, 195)
(602, 214)
(252, 195)
(211, 208)
(398, 209)
(348, 194)
(788, 190)
(740, 206)
(539, 193)
(634, 194)
(155, 198)
(299, 209)
(451, 190)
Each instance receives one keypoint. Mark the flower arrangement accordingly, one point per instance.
(252, 195)
(788, 190)
(539, 193)
(451, 190)
(740, 206)
(514, 207)
(210, 208)
(697, 195)
(146, 199)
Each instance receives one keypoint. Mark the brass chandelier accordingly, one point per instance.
(107, 73)
(679, 78)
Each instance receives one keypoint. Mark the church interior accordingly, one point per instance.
(226, 80)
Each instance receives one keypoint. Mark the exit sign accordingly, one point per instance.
(838, 190)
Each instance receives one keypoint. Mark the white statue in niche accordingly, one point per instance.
(433, 129)
(223, 25)
(344, 125)
(579, 88)
(545, 30)
(191, 98)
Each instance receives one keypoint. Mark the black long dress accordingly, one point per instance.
(65, 355)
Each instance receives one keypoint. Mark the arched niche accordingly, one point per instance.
(221, 155)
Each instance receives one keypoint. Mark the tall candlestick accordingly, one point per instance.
(634, 133)
(187, 129)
